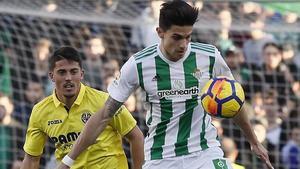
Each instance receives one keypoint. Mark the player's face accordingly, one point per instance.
(67, 76)
(175, 41)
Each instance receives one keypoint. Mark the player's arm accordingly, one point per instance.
(94, 127)
(241, 119)
(136, 140)
(31, 162)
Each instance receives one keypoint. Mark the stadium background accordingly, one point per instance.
(107, 32)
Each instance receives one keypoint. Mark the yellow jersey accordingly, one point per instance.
(51, 119)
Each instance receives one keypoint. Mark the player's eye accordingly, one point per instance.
(177, 37)
(61, 72)
(189, 37)
(74, 72)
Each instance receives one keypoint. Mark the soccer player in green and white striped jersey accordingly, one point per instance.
(172, 74)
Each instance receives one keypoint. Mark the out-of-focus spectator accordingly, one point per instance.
(106, 81)
(258, 103)
(288, 58)
(10, 133)
(291, 151)
(224, 42)
(231, 152)
(292, 121)
(5, 74)
(94, 53)
(253, 47)
(145, 34)
(111, 68)
(274, 74)
(33, 93)
(41, 53)
(242, 72)
(6, 112)
(273, 113)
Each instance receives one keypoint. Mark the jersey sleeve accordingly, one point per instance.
(123, 121)
(35, 137)
(121, 88)
(221, 68)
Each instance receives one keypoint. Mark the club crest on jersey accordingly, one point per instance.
(85, 117)
(197, 73)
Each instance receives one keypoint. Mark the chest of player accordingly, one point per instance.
(177, 82)
(64, 126)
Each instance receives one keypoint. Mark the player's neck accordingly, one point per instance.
(168, 55)
(68, 101)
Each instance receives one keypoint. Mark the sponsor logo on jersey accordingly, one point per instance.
(56, 121)
(85, 116)
(174, 93)
(65, 138)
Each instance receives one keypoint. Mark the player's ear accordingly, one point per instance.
(50, 74)
(82, 74)
(160, 32)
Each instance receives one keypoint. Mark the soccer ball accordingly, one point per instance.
(222, 97)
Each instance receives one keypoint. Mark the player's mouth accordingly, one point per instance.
(69, 86)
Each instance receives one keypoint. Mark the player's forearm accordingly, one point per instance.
(93, 128)
(137, 148)
(241, 119)
(30, 162)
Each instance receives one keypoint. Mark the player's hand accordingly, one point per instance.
(63, 166)
(262, 153)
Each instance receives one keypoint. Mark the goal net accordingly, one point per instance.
(108, 32)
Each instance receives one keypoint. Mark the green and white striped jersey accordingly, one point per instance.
(177, 122)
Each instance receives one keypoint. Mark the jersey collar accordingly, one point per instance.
(187, 53)
(77, 101)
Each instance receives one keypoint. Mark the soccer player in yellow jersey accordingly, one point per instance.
(62, 115)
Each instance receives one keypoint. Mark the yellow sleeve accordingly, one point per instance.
(35, 137)
(123, 121)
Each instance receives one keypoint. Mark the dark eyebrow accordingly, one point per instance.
(181, 36)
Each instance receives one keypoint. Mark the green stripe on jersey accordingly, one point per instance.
(203, 141)
(203, 47)
(163, 83)
(140, 72)
(220, 164)
(141, 79)
(185, 121)
(146, 52)
(211, 66)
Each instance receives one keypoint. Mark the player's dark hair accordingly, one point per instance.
(66, 52)
(177, 12)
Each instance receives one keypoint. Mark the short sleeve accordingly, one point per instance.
(221, 68)
(123, 121)
(121, 88)
(35, 137)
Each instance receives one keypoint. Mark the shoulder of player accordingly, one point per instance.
(95, 94)
(203, 48)
(146, 53)
(39, 108)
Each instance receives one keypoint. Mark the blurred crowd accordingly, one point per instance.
(265, 62)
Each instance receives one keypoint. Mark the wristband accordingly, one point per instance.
(67, 161)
